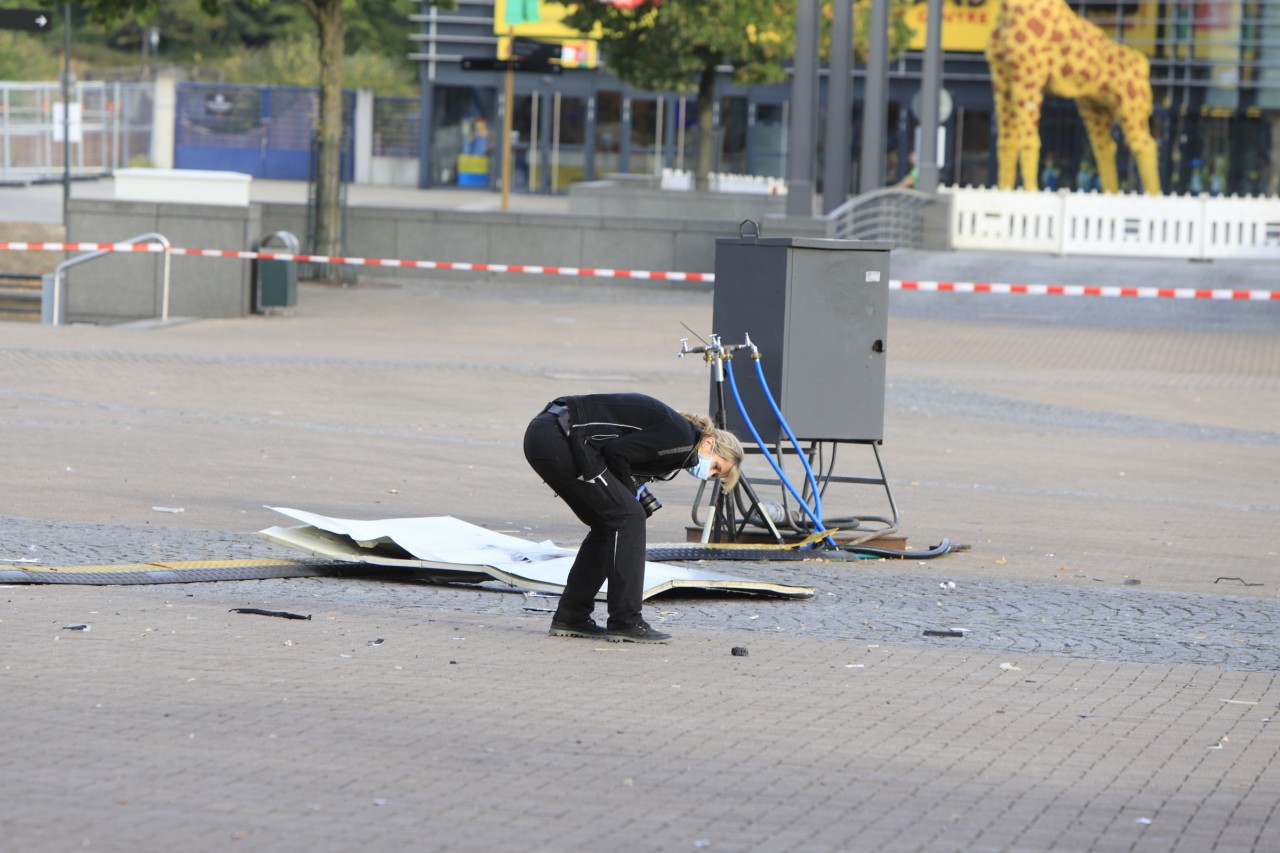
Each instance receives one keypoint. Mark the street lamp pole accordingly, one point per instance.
(804, 96)
(66, 110)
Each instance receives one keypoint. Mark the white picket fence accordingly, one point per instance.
(679, 179)
(1071, 223)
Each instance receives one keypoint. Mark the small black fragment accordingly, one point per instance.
(946, 632)
(282, 614)
(738, 651)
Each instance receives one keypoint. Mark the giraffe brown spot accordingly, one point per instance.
(1036, 26)
(1066, 69)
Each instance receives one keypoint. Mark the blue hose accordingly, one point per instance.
(804, 459)
(733, 386)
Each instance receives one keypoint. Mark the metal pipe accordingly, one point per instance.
(875, 101)
(151, 237)
(930, 94)
(804, 95)
(835, 166)
(66, 111)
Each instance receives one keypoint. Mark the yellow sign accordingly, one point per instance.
(577, 50)
(549, 25)
(966, 24)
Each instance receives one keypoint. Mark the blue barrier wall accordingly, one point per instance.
(263, 131)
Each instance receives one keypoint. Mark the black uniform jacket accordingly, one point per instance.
(632, 435)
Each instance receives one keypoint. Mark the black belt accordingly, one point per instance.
(561, 414)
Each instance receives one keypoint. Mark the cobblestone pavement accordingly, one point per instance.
(863, 601)
(1112, 690)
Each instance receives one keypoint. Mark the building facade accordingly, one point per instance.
(1215, 74)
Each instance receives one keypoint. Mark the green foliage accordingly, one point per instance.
(900, 32)
(110, 11)
(280, 63)
(665, 44)
(388, 76)
(668, 44)
(236, 38)
(24, 56)
(293, 63)
(186, 31)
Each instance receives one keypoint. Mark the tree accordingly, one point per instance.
(329, 17)
(679, 45)
(191, 35)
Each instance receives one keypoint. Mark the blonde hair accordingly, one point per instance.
(727, 446)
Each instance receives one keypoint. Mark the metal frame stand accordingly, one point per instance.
(826, 475)
(731, 511)
(722, 523)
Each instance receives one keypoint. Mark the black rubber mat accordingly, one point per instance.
(675, 553)
(678, 553)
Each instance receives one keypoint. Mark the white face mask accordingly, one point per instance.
(702, 470)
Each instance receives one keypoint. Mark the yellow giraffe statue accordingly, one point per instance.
(1040, 46)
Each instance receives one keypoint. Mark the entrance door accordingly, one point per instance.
(643, 123)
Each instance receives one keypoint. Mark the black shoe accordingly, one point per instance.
(641, 632)
(587, 628)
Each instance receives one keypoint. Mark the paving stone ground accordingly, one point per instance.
(1117, 483)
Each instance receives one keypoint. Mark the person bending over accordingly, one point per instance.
(596, 451)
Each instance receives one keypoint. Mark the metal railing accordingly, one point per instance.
(111, 123)
(151, 237)
(890, 214)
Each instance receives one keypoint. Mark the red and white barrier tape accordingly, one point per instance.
(594, 272)
(1088, 290)
(657, 275)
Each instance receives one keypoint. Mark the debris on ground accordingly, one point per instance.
(280, 613)
(541, 602)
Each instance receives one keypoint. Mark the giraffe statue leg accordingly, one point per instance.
(1145, 150)
(1008, 153)
(1008, 140)
(1027, 125)
(1098, 121)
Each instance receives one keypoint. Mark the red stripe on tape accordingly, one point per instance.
(656, 275)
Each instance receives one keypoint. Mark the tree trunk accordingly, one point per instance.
(328, 221)
(706, 127)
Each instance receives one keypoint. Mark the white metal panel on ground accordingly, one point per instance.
(446, 544)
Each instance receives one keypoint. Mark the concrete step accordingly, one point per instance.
(20, 297)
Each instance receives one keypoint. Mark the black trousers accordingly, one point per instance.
(614, 548)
